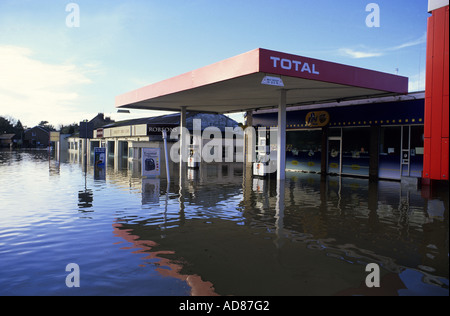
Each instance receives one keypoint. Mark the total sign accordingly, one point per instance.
(296, 65)
(277, 63)
(281, 65)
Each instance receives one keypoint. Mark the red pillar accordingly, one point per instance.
(436, 130)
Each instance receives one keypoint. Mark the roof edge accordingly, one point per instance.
(240, 65)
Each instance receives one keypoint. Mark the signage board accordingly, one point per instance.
(283, 64)
(99, 156)
(54, 136)
(151, 162)
(121, 131)
(99, 133)
(272, 81)
(153, 129)
(317, 119)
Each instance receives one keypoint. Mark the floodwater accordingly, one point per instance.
(215, 231)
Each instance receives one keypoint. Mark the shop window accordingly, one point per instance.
(416, 151)
(134, 152)
(303, 150)
(392, 160)
(390, 152)
(355, 151)
(111, 148)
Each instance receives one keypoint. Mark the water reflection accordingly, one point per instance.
(85, 199)
(298, 225)
(166, 267)
(99, 173)
(216, 231)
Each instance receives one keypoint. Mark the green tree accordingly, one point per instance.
(69, 129)
(19, 131)
(5, 126)
(47, 126)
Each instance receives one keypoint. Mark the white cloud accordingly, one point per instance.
(421, 40)
(358, 54)
(367, 53)
(32, 91)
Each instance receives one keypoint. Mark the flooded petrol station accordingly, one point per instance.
(70, 225)
(216, 230)
(335, 184)
(355, 203)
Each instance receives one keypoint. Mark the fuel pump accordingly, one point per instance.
(194, 153)
(261, 166)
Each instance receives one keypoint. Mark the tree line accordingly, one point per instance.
(10, 125)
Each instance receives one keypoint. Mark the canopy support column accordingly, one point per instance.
(281, 137)
(183, 144)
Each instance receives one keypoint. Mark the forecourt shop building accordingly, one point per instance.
(379, 138)
(263, 79)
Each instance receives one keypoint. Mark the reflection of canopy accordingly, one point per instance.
(225, 258)
(169, 268)
(234, 84)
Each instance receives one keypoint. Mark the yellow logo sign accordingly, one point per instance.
(317, 119)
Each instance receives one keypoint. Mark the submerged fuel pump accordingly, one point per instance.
(195, 152)
(262, 167)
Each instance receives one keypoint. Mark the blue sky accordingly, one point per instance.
(49, 71)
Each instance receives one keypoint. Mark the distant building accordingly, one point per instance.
(100, 120)
(6, 140)
(86, 129)
(36, 137)
(125, 139)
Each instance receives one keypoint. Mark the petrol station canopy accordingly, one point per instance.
(236, 84)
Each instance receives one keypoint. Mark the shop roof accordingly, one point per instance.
(217, 120)
(6, 136)
(234, 84)
(163, 119)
